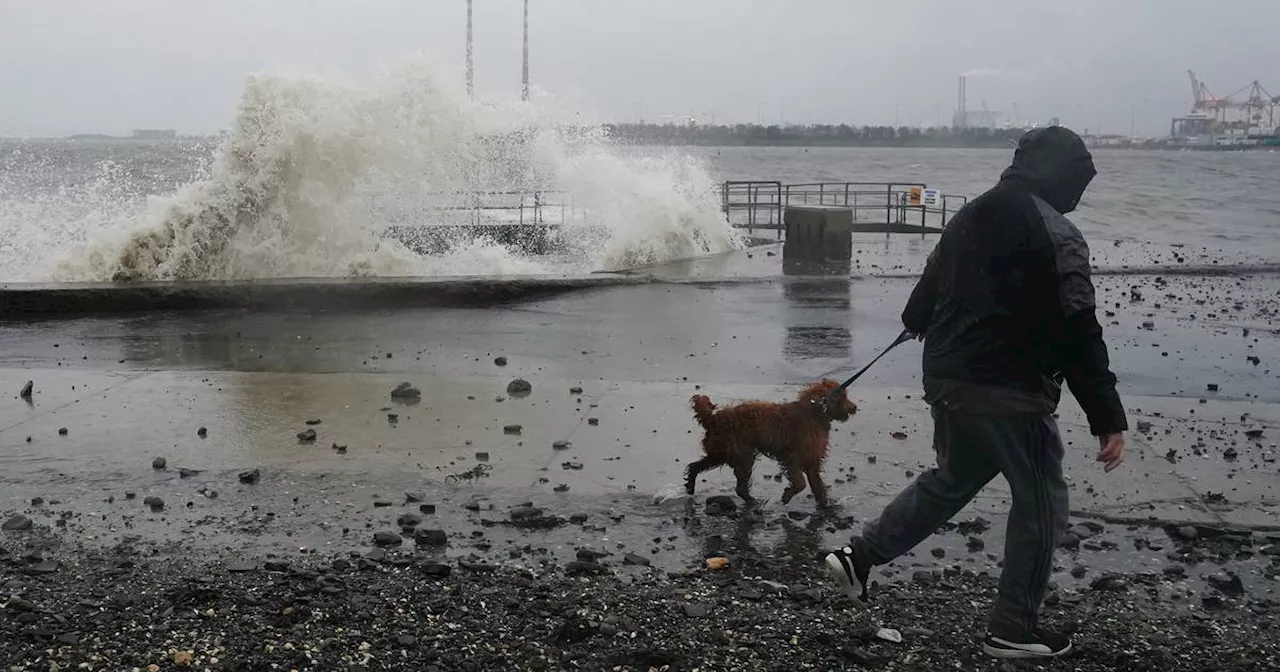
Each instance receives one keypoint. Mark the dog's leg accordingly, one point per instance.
(695, 469)
(796, 476)
(814, 473)
(742, 471)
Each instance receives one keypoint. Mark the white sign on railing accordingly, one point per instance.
(930, 198)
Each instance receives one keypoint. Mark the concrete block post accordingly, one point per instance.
(818, 233)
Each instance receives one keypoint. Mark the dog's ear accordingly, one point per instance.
(816, 393)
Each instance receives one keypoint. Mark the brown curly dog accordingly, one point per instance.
(793, 433)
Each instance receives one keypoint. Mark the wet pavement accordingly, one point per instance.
(605, 433)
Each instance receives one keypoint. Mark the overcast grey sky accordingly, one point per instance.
(69, 66)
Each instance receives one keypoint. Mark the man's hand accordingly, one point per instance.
(1111, 450)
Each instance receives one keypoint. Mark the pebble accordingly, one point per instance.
(412, 497)
(62, 431)
(155, 503)
(202, 432)
(561, 488)
(512, 429)
(405, 391)
(519, 387)
(307, 435)
(425, 537)
(428, 509)
(561, 445)
(26, 390)
(500, 361)
(250, 477)
(1110, 583)
(159, 463)
(636, 560)
(1188, 532)
(575, 390)
(696, 610)
(183, 472)
(17, 523)
(387, 539)
(1079, 571)
(593, 421)
(409, 520)
(717, 563)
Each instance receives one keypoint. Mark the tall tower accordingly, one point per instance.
(471, 72)
(524, 81)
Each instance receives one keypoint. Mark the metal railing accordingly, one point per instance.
(760, 204)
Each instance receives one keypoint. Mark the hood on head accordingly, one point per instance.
(1054, 164)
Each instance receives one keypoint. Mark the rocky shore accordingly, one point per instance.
(154, 608)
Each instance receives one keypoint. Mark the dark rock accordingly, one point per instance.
(428, 509)
(719, 505)
(409, 520)
(798, 515)
(696, 610)
(575, 390)
(17, 523)
(26, 390)
(976, 525)
(1188, 532)
(405, 391)
(159, 463)
(975, 544)
(1110, 583)
(923, 576)
(572, 466)
(1254, 434)
(519, 387)
(482, 456)
(1079, 571)
(636, 560)
(202, 432)
(500, 361)
(425, 537)
(938, 553)
(183, 472)
(512, 429)
(1174, 571)
(307, 435)
(593, 421)
(590, 555)
(376, 555)
(62, 431)
(1081, 532)
(435, 570)
(561, 445)
(250, 477)
(154, 502)
(808, 594)
(387, 539)
(20, 605)
(1230, 454)
(37, 501)
(242, 567)
(578, 518)
(1212, 387)
(1144, 426)
(1069, 542)
(379, 503)
(276, 566)
(130, 495)
(1227, 584)
(413, 497)
(562, 488)
(583, 568)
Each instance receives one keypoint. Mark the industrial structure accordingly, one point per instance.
(524, 75)
(1246, 117)
(966, 118)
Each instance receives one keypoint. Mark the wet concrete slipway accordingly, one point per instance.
(263, 418)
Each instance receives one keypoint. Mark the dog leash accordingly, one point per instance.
(902, 338)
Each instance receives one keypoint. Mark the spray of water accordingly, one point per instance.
(314, 170)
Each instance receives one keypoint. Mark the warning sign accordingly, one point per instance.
(930, 198)
(913, 196)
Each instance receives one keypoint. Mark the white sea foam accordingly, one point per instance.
(315, 169)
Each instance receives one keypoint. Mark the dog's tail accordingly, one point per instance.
(702, 408)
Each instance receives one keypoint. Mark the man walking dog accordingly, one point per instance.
(1006, 310)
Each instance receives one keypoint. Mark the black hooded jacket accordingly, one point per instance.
(1006, 301)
